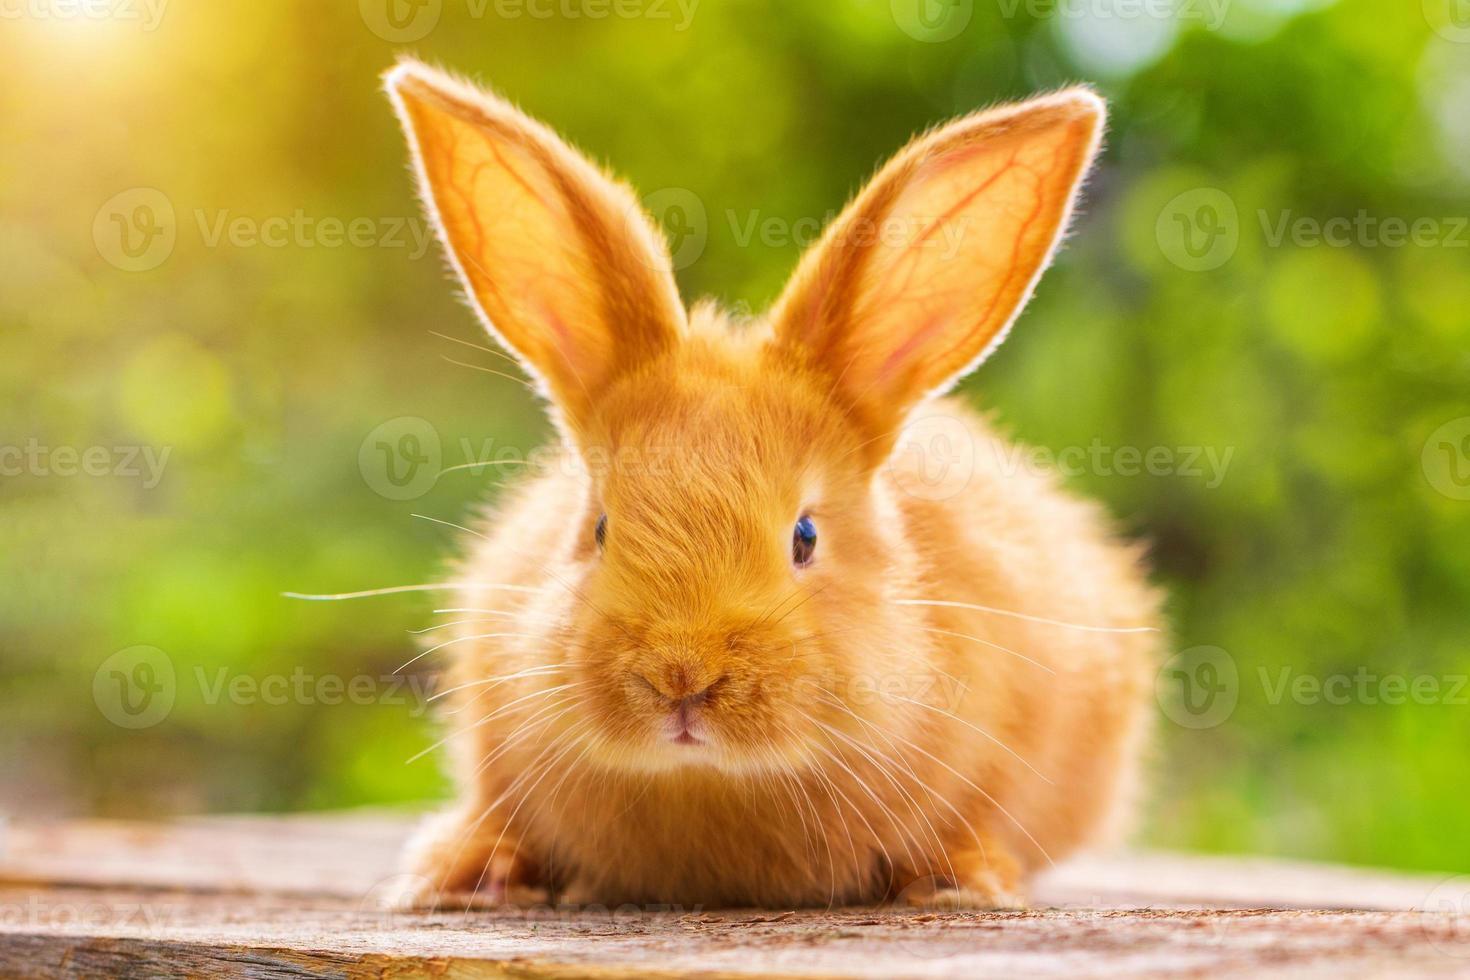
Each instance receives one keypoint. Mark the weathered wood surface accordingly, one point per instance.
(306, 896)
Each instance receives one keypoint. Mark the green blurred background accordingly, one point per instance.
(145, 151)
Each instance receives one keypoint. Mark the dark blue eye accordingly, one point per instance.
(803, 542)
(601, 532)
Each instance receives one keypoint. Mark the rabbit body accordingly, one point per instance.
(774, 624)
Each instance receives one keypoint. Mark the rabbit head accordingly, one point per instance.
(736, 545)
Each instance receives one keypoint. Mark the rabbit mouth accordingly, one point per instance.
(686, 725)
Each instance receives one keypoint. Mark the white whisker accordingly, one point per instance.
(488, 718)
(979, 731)
(1026, 616)
(394, 590)
(989, 643)
(477, 464)
(499, 374)
(459, 639)
(497, 681)
(457, 527)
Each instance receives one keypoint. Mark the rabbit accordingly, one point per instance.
(731, 643)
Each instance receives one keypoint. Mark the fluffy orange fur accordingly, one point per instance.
(950, 694)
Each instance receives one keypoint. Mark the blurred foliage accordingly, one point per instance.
(1331, 545)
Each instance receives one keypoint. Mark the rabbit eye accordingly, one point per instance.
(803, 542)
(601, 532)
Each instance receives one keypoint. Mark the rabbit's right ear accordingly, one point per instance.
(561, 261)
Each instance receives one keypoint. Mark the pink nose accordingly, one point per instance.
(683, 724)
(680, 684)
(685, 707)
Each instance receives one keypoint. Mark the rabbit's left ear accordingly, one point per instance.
(561, 260)
(923, 274)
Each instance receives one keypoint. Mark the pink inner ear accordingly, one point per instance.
(935, 323)
(954, 160)
(893, 362)
(561, 333)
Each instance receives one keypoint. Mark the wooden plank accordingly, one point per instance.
(304, 896)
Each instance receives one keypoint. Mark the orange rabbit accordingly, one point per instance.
(734, 645)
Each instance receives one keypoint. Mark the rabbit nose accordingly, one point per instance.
(690, 701)
(682, 692)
